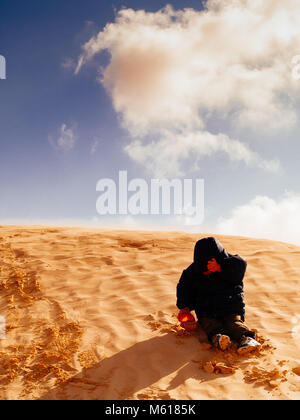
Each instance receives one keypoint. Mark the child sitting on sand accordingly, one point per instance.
(212, 286)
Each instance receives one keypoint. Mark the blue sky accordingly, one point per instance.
(42, 179)
(38, 182)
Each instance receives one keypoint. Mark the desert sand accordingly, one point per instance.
(90, 314)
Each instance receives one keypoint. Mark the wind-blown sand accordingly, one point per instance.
(90, 314)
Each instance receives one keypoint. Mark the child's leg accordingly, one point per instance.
(236, 328)
(211, 327)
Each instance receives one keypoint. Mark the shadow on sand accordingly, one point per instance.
(135, 369)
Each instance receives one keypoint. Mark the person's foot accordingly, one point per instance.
(221, 341)
(247, 344)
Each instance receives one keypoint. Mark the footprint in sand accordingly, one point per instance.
(49, 344)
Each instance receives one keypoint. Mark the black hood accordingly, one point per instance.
(206, 249)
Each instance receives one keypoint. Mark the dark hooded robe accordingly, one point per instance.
(219, 293)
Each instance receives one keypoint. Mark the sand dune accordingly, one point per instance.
(90, 314)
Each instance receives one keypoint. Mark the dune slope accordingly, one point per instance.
(90, 314)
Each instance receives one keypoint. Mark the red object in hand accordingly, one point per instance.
(185, 316)
(212, 267)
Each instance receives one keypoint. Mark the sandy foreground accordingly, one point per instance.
(90, 314)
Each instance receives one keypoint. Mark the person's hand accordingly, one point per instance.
(185, 315)
(187, 319)
(213, 266)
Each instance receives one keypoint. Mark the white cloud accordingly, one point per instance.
(94, 145)
(166, 156)
(264, 217)
(172, 69)
(67, 138)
